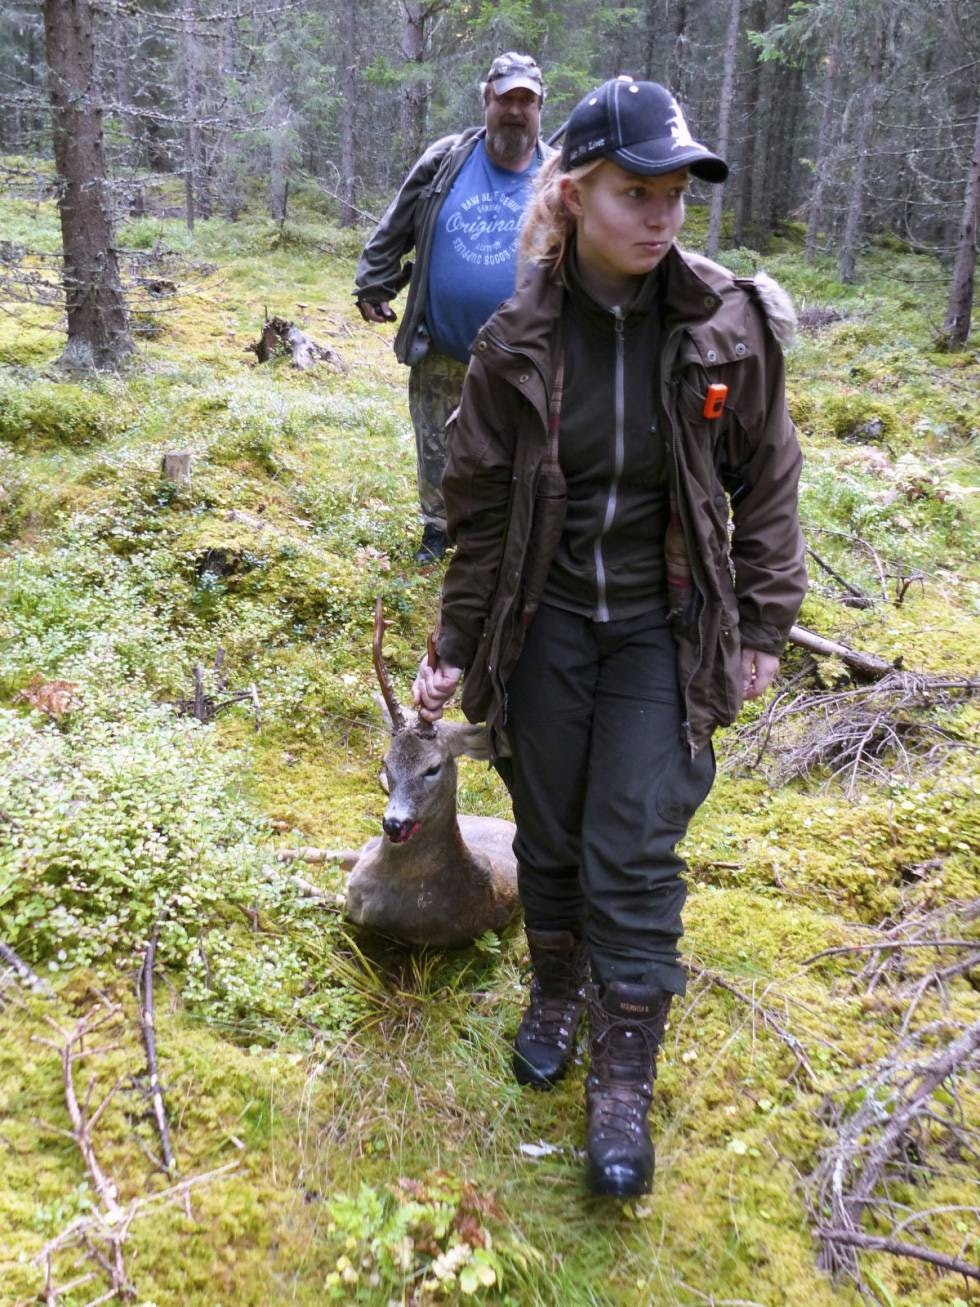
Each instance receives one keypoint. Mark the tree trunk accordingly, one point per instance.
(415, 95)
(744, 228)
(348, 103)
(724, 118)
(197, 201)
(98, 330)
(780, 191)
(825, 151)
(679, 57)
(956, 327)
(279, 159)
(847, 258)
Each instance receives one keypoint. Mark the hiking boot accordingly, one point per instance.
(434, 544)
(626, 1028)
(545, 1039)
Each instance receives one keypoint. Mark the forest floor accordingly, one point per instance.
(343, 1122)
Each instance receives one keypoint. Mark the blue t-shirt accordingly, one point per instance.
(474, 250)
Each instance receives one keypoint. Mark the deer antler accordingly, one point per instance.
(398, 722)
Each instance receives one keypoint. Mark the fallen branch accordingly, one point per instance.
(144, 998)
(346, 857)
(331, 902)
(881, 1127)
(868, 667)
(874, 1243)
(864, 733)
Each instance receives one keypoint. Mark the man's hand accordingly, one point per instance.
(380, 312)
(434, 687)
(758, 671)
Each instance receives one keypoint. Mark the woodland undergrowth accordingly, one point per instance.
(211, 1088)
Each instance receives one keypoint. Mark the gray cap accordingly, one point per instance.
(511, 70)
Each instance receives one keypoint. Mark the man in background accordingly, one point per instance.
(459, 208)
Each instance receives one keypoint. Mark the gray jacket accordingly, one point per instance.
(409, 223)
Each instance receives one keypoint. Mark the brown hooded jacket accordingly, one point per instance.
(733, 487)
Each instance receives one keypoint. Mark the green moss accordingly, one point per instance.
(327, 1065)
(59, 413)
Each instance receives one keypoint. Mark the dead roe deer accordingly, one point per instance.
(433, 877)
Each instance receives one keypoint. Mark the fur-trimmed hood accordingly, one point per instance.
(777, 306)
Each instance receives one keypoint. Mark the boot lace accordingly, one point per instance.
(624, 1062)
(551, 1020)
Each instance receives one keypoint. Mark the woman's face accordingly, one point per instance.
(625, 223)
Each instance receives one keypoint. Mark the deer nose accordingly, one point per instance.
(399, 831)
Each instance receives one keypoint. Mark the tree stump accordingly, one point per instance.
(279, 335)
(177, 468)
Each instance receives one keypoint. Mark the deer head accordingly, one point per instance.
(419, 767)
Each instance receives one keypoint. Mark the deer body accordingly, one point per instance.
(432, 877)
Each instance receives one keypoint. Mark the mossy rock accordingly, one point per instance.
(859, 419)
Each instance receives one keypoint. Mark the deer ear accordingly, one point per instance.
(462, 738)
(385, 714)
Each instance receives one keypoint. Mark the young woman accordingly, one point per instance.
(621, 490)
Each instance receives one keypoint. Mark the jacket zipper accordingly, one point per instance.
(619, 447)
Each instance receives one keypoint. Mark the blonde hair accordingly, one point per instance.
(548, 223)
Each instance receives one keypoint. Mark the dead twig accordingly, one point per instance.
(83, 1226)
(857, 597)
(71, 1049)
(865, 733)
(205, 707)
(114, 1219)
(323, 898)
(144, 998)
(22, 971)
(891, 943)
(768, 1020)
(881, 1129)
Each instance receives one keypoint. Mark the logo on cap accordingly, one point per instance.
(679, 129)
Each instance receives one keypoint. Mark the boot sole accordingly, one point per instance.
(604, 1185)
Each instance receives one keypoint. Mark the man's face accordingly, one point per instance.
(512, 123)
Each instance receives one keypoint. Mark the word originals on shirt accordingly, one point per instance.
(496, 214)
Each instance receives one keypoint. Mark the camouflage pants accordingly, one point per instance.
(434, 387)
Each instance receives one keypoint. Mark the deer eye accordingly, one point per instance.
(432, 771)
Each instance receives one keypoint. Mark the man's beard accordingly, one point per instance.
(510, 143)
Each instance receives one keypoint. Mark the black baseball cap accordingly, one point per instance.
(512, 70)
(640, 126)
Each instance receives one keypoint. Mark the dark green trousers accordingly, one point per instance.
(603, 787)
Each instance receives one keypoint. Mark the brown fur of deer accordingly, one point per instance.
(432, 877)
